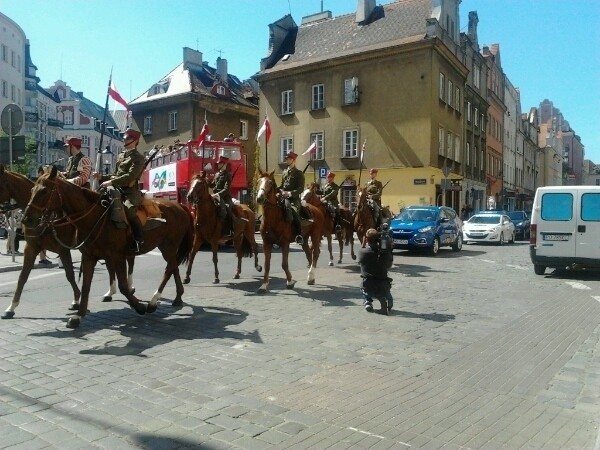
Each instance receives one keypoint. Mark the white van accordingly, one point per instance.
(565, 227)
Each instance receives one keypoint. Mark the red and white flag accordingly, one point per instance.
(312, 149)
(114, 94)
(203, 133)
(362, 152)
(266, 128)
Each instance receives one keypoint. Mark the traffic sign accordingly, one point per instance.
(11, 119)
(446, 170)
(322, 172)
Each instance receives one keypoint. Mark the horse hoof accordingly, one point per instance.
(74, 306)
(310, 282)
(140, 308)
(152, 307)
(261, 291)
(339, 261)
(354, 257)
(8, 314)
(259, 268)
(73, 322)
(236, 276)
(178, 303)
(216, 281)
(186, 280)
(106, 298)
(291, 284)
(330, 264)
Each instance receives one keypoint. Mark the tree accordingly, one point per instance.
(28, 165)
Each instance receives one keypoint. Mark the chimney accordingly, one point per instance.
(191, 58)
(472, 31)
(222, 69)
(364, 10)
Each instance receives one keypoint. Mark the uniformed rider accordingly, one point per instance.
(374, 189)
(292, 185)
(330, 198)
(221, 186)
(79, 167)
(128, 170)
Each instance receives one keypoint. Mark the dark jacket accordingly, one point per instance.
(374, 265)
(375, 189)
(330, 193)
(221, 185)
(293, 180)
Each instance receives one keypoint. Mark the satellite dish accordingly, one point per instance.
(11, 119)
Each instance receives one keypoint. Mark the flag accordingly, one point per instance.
(203, 133)
(362, 152)
(114, 94)
(266, 128)
(312, 149)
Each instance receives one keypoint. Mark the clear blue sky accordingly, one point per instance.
(549, 48)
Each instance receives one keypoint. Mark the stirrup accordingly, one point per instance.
(299, 239)
(338, 228)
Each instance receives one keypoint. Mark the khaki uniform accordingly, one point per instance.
(374, 189)
(128, 170)
(293, 181)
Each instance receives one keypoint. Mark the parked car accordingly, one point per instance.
(521, 221)
(489, 226)
(428, 228)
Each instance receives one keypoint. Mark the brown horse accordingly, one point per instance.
(344, 236)
(16, 188)
(363, 217)
(99, 238)
(208, 228)
(274, 229)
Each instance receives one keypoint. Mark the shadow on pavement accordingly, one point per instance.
(435, 317)
(575, 274)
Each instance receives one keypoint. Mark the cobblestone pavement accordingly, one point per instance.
(478, 352)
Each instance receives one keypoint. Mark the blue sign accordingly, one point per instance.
(322, 172)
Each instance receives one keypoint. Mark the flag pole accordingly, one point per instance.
(362, 155)
(102, 128)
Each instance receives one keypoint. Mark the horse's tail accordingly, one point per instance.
(187, 243)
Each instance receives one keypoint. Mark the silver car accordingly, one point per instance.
(489, 227)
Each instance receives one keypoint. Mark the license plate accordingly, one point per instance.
(556, 237)
(401, 241)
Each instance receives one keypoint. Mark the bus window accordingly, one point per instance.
(233, 153)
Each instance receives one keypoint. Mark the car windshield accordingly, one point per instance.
(517, 215)
(484, 219)
(417, 215)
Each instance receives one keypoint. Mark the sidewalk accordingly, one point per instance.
(8, 265)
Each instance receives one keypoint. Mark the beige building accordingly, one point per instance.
(387, 78)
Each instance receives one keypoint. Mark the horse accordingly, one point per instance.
(363, 216)
(274, 229)
(208, 228)
(99, 238)
(345, 236)
(16, 188)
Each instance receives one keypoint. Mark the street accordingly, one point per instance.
(478, 352)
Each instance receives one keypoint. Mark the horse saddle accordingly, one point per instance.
(149, 211)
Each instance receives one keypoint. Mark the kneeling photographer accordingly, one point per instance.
(375, 258)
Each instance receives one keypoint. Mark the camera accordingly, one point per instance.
(384, 237)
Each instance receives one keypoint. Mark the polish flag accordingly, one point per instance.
(266, 128)
(312, 149)
(114, 94)
(203, 133)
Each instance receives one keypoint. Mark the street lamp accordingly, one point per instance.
(108, 156)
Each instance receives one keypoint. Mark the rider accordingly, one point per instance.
(79, 166)
(292, 185)
(221, 185)
(129, 167)
(330, 198)
(374, 188)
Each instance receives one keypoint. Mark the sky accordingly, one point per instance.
(549, 49)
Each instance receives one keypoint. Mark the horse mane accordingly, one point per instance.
(88, 194)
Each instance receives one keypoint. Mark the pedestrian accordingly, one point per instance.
(230, 138)
(374, 189)
(79, 166)
(128, 169)
(292, 185)
(375, 258)
(14, 220)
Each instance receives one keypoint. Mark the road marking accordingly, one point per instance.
(514, 266)
(35, 277)
(597, 298)
(370, 434)
(487, 261)
(577, 285)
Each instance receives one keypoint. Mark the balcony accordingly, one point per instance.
(55, 123)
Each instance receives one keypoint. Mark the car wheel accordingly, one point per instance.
(457, 246)
(501, 240)
(435, 247)
(513, 238)
(539, 269)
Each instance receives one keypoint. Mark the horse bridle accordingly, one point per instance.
(268, 191)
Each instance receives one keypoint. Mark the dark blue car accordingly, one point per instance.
(522, 224)
(428, 228)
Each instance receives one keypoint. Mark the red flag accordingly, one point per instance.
(266, 128)
(312, 149)
(203, 134)
(362, 152)
(114, 94)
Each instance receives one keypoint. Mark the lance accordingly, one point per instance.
(95, 183)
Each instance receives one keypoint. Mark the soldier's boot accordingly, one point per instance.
(297, 224)
(138, 235)
(336, 221)
(228, 232)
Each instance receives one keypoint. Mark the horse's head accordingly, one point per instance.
(309, 195)
(199, 188)
(267, 188)
(14, 188)
(361, 197)
(46, 198)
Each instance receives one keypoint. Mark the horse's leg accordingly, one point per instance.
(249, 233)
(267, 249)
(112, 283)
(87, 265)
(120, 266)
(352, 245)
(285, 252)
(215, 248)
(195, 247)
(340, 238)
(178, 301)
(238, 242)
(330, 248)
(130, 265)
(315, 250)
(29, 255)
(67, 261)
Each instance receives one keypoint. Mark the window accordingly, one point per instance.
(590, 207)
(4, 53)
(468, 111)
(557, 206)
(19, 63)
(12, 58)
(457, 99)
(318, 137)
(441, 134)
(351, 91)
(475, 116)
(482, 122)
(287, 102)
(68, 116)
(85, 141)
(221, 90)
(468, 154)
(477, 76)
(450, 93)
(4, 89)
(442, 86)
(350, 144)
(348, 197)
(449, 142)
(287, 146)
(457, 148)
(243, 129)
(147, 124)
(318, 97)
(172, 120)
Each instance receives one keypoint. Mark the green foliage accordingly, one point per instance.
(28, 166)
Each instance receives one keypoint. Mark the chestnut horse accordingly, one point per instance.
(274, 229)
(208, 228)
(99, 238)
(363, 217)
(16, 188)
(344, 236)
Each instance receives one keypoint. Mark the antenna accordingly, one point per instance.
(290, 7)
(219, 51)
(321, 5)
(197, 43)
